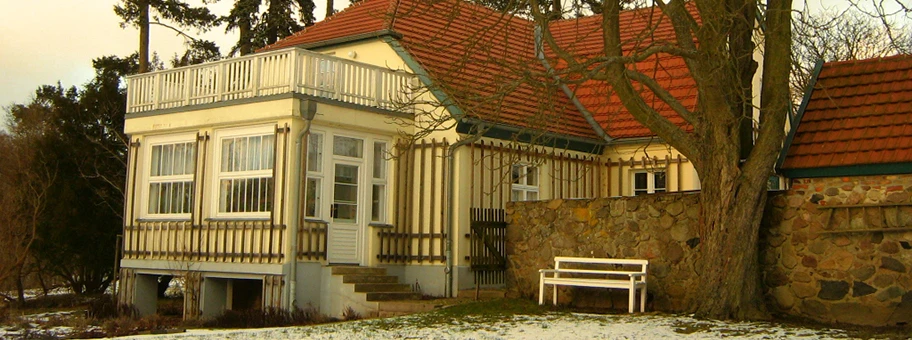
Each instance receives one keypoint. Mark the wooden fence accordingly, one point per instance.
(312, 240)
(562, 174)
(488, 245)
(419, 231)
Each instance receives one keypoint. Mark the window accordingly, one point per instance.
(314, 186)
(245, 174)
(345, 193)
(347, 147)
(525, 182)
(648, 182)
(378, 188)
(170, 185)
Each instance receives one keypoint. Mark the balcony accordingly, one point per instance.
(292, 70)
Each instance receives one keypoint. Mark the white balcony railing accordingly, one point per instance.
(263, 74)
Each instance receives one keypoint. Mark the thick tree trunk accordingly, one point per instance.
(728, 260)
(143, 36)
(329, 9)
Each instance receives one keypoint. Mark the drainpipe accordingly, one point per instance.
(540, 54)
(451, 203)
(308, 111)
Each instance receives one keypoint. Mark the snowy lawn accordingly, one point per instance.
(547, 326)
(520, 319)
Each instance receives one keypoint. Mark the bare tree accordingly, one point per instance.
(23, 199)
(849, 34)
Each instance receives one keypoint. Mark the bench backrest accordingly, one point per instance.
(586, 260)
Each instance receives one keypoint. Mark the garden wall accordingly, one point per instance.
(815, 269)
(660, 228)
(809, 270)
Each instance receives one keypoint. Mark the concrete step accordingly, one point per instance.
(369, 279)
(382, 288)
(392, 296)
(355, 270)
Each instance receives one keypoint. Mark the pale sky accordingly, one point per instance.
(46, 41)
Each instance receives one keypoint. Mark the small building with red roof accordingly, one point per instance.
(840, 238)
(370, 157)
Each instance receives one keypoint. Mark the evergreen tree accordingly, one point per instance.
(257, 29)
(175, 12)
(76, 143)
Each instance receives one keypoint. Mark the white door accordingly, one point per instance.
(344, 226)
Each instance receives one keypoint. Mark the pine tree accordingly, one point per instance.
(138, 13)
(257, 29)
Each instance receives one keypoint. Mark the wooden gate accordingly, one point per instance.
(488, 253)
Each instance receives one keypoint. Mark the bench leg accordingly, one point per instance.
(632, 298)
(555, 296)
(541, 292)
(643, 299)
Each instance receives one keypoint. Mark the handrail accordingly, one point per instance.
(291, 70)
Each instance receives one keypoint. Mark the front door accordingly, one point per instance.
(344, 227)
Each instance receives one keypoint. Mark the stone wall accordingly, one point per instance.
(809, 270)
(815, 271)
(658, 227)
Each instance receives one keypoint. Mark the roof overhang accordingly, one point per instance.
(525, 135)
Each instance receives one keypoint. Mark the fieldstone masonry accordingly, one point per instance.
(810, 269)
(660, 228)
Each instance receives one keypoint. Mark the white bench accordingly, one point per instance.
(617, 273)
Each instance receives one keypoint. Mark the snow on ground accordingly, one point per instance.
(548, 326)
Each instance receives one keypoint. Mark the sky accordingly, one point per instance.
(46, 41)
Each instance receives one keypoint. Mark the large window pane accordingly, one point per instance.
(660, 183)
(378, 197)
(349, 147)
(379, 160)
(312, 197)
(171, 169)
(245, 195)
(315, 152)
(345, 193)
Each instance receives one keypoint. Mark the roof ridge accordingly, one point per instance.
(869, 60)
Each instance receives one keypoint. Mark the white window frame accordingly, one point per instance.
(148, 180)
(317, 175)
(382, 181)
(650, 181)
(520, 184)
(218, 175)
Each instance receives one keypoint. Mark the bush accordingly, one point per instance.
(104, 307)
(270, 317)
(350, 314)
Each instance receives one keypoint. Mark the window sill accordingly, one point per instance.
(163, 219)
(315, 220)
(224, 219)
(380, 225)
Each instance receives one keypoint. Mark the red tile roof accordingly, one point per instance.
(859, 113)
(474, 53)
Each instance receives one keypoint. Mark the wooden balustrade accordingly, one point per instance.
(213, 241)
(291, 70)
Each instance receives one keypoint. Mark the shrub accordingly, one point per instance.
(350, 314)
(104, 307)
(270, 317)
